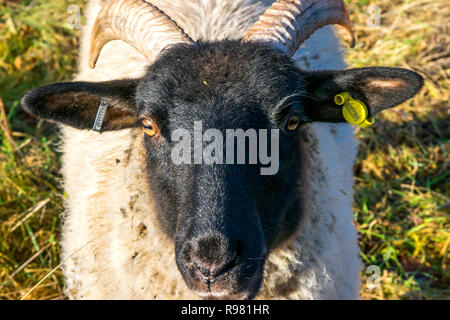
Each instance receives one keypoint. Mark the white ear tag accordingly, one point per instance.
(100, 116)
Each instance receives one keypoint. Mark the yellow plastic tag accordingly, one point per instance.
(353, 110)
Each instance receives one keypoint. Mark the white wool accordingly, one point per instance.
(107, 251)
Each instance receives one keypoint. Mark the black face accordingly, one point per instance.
(223, 218)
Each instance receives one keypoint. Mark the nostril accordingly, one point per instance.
(239, 249)
(212, 255)
(215, 269)
(205, 271)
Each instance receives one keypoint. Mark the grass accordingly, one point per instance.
(36, 47)
(402, 176)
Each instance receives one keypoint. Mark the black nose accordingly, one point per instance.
(214, 255)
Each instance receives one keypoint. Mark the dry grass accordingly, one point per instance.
(402, 190)
(36, 47)
(402, 184)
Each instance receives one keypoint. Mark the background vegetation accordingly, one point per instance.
(402, 176)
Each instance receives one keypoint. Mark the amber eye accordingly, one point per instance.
(149, 127)
(292, 123)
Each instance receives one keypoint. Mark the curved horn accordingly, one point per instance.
(138, 23)
(287, 23)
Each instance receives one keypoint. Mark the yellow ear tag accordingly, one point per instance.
(353, 110)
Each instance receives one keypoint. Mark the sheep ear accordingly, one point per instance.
(77, 103)
(378, 87)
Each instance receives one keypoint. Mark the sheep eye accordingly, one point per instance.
(149, 127)
(292, 123)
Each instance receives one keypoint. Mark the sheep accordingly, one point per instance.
(137, 226)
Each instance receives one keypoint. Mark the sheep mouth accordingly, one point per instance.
(248, 291)
(238, 282)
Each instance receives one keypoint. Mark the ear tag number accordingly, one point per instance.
(100, 116)
(353, 110)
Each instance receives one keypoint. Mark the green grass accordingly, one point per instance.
(36, 47)
(402, 176)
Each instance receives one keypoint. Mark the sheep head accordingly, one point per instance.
(223, 218)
